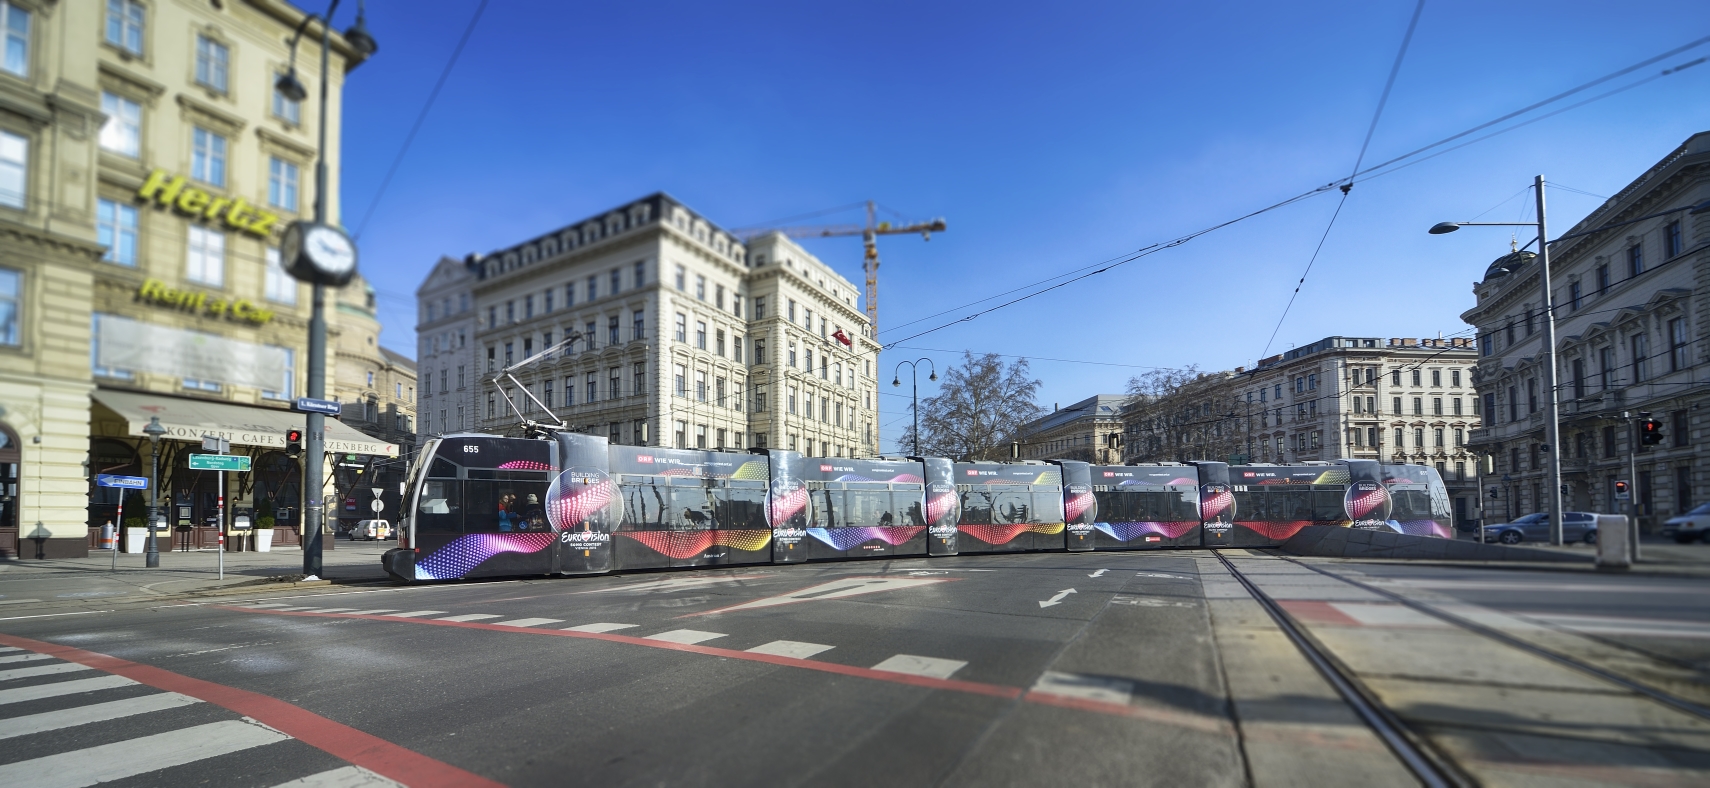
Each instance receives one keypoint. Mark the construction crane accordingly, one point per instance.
(869, 233)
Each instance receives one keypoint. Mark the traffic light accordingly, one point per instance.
(293, 443)
(1650, 432)
(1621, 491)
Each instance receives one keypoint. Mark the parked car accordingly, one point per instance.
(1576, 527)
(370, 530)
(1695, 524)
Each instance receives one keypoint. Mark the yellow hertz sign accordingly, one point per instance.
(238, 214)
(237, 309)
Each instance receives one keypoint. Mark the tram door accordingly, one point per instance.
(1080, 507)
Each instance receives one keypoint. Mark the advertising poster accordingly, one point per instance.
(865, 508)
(686, 507)
(943, 505)
(1080, 506)
(1145, 507)
(1009, 507)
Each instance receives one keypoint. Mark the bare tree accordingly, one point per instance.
(981, 406)
(1185, 414)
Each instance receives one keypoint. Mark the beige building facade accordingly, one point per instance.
(147, 166)
(665, 330)
(1089, 431)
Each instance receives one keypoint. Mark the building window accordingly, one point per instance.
(194, 384)
(680, 381)
(700, 386)
(16, 23)
(614, 379)
(593, 287)
(1455, 378)
(1578, 376)
(1418, 438)
(593, 389)
(1513, 403)
(1436, 406)
(1489, 409)
(125, 25)
(1573, 295)
(718, 343)
(570, 294)
(1635, 260)
(1532, 396)
(285, 108)
(1677, 344)
(122, 133)
(1641, 358)
(700, 335)
(287, 384)
(1418, 406)
(790, 399)
(1681, 428)
(759, 403)
(208, 157)
(282, 184)
(281, 288)
(1437, 437)
(1606, 374)
(116, 229)
(682, 435)
(617, 281)
(1436, 378)
(213, 62)
(759, 350)
(205, 260)
(640, 327)
(1608, 441)
(1456, 401)
(681, 280)
(11, 303)
(14, 165)
(1416, 377)
(759, 314)
(1602, 279)
(640, 374)
(612, 324)
(640, 274)
(588, 332)
(1460, 440)
(1671, 239)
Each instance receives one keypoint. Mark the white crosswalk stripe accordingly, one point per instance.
(469, 617)
(415, 613)
(789, 648)
(345, 777)
(289, 609)
(108, 762)
(374, 612)
(44, 670)
(56, 689)
(687, 637)
(528, 622)
(22, 658)
(95, 712)
(4, 649)
(330, 610)
(266, 605)
(599, 628)
(930, 667)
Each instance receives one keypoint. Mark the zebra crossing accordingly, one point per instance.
(42, 703)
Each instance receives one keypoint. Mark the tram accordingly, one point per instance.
(479, 505)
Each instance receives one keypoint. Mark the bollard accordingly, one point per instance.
(1614, 550)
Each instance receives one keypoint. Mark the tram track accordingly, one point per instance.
(1432, 768)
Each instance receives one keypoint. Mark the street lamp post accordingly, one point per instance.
(914, 375)
(321, 255)
(151, 557)
(1552, 413)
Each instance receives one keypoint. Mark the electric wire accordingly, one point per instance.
(420, 118)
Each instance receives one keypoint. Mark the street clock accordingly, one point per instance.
(318, 253)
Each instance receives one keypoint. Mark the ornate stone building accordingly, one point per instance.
(1087, 430)
(1632, 324)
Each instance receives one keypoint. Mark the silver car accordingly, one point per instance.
(1576, 527)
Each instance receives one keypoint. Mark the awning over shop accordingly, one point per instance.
(243, 425)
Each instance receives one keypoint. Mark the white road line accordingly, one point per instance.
(931, 667)
(687, 637)
(469, 617)
(1096, 688)
(24, 658)
(1385, 615)
(414, 613)
(267, 605)
(789, 648)
(9, 648)
(142, 755)
(343, 777)
(17, 601)
(56, 689)
(290, 609)
(528, 622)
(44, 670)
(333, 610)
(95, 712)
(598, 628)
(374, 612)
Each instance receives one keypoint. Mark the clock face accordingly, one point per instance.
(330, 250)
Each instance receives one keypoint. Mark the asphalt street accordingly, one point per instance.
(1091, 668)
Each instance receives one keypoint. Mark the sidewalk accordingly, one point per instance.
(76, 581)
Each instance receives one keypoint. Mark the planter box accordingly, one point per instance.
(264, 540)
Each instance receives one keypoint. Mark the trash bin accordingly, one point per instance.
(109, 536)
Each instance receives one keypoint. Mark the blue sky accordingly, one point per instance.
(1050, 136)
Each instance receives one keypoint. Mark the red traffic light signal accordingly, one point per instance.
(1650, 432)
(293, 443)
(1621, 490)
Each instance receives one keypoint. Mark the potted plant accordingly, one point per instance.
(135, 522)
(263, 529)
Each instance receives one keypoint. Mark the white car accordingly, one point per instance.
(1695, 524)
(370, 530)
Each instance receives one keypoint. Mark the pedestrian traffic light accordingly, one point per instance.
(1650, 432)
(293, 443)
(1621, 490)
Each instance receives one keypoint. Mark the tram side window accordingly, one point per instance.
(742, 506)
(644, 506)
(1181, 506)
(869, 504)
(505, 506)
(905, 501)
(1048, 507)
(1012, 507)
(1250, 504)
(1410, 504)
(827, 508)
(977, 507)
(693, 507)
(1327, 505)
(440, 510)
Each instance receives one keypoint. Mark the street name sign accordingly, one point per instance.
(218, 462)
(126, 482)
(324, 406)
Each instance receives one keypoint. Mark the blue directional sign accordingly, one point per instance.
(127, 482)
(326, 406)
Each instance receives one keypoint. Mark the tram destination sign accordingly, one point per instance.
(219, 462)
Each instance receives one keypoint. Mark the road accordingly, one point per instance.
(1094, 669)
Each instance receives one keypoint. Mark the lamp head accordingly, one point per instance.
(896, 381)
(1441, 228)
(359, 38)
(933, 376)
(154, 430)
(289, 87)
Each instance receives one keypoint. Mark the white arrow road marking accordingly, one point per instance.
(836, 589)
(1058, 599)
(1098, 573)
